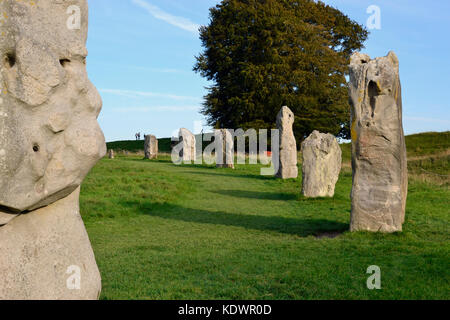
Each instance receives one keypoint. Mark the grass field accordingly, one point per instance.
(161, 231)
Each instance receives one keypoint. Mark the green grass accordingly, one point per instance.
(135, 146)
(427, 143)
(164, 145)
(422, 144)
(161, 231)
(129, 145)
(418, 145)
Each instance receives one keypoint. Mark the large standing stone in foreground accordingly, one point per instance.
(380, 179)
(44, 251)
(49, 140)
(322, 161)
(188, 151)
(288, 146)
(225, 144)
(151, 147)
(49, 135)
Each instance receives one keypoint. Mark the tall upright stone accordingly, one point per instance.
(188, 152)
(322, 162)
(288, 146)
(380, 178)
(49, 141)
(111, 154)
(151, 147)
(225, 143)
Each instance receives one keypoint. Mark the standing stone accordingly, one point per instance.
(380, 177)
(188, 151)
(288, 146)
(225, 144)
(42, 250)
(322, 161)
(111, 154)
(49, 141)
(151, 147)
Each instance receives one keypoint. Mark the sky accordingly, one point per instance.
(141, 54)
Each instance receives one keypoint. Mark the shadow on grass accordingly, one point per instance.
(232, 174)
(142, 160)
(169, 161)
(299, 227)
(257, 195)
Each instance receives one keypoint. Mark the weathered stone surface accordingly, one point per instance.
(225, 145)
(49, 140)
(6, 217)
(188, 151)
(322, 162)
(49, 135)
(288, 146)
(380, 179)
(38, 248)
(151, 147)
(111, 154)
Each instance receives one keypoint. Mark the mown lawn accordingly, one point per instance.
(161, 231)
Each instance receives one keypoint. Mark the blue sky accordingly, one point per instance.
(141, 54)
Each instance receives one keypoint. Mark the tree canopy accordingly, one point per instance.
(264, 54)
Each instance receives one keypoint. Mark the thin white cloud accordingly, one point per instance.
(146, 94)
(431, 120)
(162, 70)
(179, 22)
(159, 70)
(156, 109)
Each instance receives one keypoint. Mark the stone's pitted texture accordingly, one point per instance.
(151, 147)
(37, 249)
(322, 161)
(225, 154)
(111, 154)
(49, 135)
(188, 153)
(6, 217)
(380, 178)
(49, 140)
(288, 145)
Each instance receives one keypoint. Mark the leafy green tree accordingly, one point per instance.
(263, 54)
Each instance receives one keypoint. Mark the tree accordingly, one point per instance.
(264, 54)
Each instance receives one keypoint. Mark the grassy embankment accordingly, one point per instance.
(161, 231)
